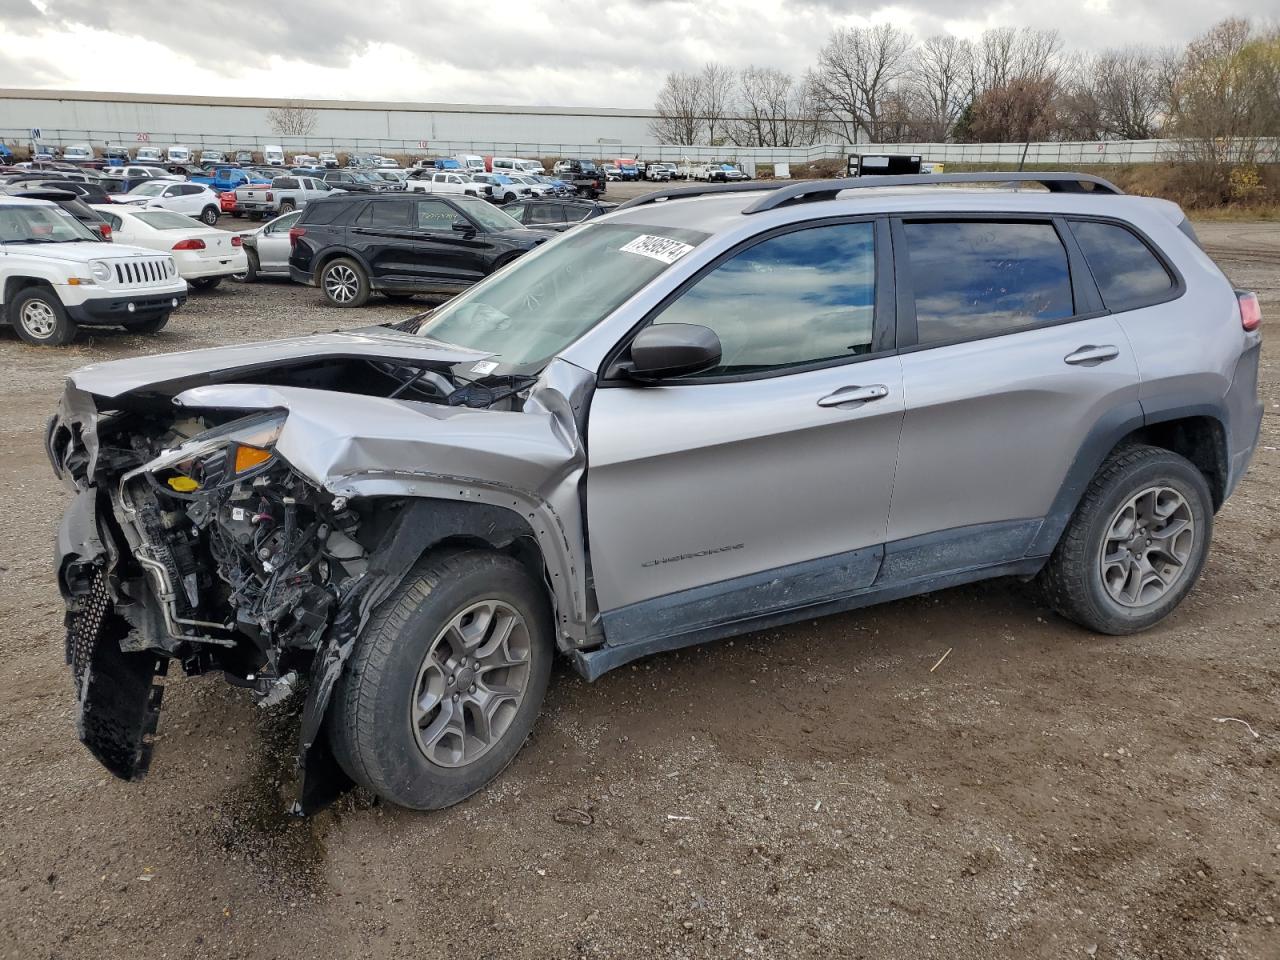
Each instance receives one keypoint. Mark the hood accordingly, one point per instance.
(78, 251)
(171, 373)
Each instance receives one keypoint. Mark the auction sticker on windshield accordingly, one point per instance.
(657, 248)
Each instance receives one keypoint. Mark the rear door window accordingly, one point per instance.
(1128, 273)
(545, 213)
(975, 278)
(384, 214)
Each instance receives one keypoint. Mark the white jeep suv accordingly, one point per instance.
(55, 275)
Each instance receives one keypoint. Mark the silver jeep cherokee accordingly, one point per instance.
(714, 410)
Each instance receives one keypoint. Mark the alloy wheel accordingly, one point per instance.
(471, 683)
(341, 283)
(38, 319)
(1147, 547)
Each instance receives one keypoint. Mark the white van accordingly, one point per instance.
(471, 162)
(179, 154)
(516, 165)
(149, 155)
(77, 153)
(273, 154)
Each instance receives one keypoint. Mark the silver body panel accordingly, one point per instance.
(993, 425)
(690, 485)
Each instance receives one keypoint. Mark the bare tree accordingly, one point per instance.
(292, 120)
(1005, 55)
(1126, 85)
(856, 71)
(939, 88)
(1226, 99)
(679, 107)
(1021, 110)
(773, 110)
(717, 99)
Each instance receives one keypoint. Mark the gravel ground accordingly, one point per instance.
(814, 791)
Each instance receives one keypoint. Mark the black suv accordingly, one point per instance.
(399, 245)
(558, 215)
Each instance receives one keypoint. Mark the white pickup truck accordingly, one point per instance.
(55, 276)
(282, 195)
(448, 183)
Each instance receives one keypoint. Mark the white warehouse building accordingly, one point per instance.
(74, 116)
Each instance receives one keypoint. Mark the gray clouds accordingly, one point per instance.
(539, 51)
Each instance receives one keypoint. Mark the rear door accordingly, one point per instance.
(1010, 363)
(382, 235)
(765, 483)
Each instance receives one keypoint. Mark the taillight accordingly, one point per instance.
(105, 230)
(270, 197)
(192, 244)
(1250, 310)
(295, 233)
(237, 241)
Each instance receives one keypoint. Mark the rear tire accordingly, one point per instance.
(40, 318)
(433, 705)
(287, 206)
(205, 284)
(149, 325)
(1135, 545)
(209, 215)
(344, 283)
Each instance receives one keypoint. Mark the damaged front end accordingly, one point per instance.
(251, 528)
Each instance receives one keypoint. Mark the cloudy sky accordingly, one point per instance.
(600, 53)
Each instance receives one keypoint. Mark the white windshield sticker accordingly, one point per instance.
(484, 368)
(657, 248)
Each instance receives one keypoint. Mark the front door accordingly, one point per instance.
(448, 247)
(763, 484)
(1009, 364)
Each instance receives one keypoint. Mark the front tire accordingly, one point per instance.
(344, 283)
(252, 266)
(446, 681)
(40, 318)
(209, 215)
(1136, 544)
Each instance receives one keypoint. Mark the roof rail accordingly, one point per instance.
(809, 190)
(778, 193)
(671, 193)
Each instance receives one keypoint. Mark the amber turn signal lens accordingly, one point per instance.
(248, 457)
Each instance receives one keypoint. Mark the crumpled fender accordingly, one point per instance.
(530, 462)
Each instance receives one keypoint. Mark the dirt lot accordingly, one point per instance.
(808, 792)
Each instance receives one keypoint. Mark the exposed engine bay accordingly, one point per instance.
(249, 527)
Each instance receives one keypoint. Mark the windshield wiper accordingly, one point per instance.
(34, 240)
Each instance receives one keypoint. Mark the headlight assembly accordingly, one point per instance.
(100, 271)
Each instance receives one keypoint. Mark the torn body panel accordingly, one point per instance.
(253, 527)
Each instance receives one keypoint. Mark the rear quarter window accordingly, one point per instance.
(1129, 275)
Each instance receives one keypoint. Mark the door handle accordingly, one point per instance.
(1091, 356)
(876, 391)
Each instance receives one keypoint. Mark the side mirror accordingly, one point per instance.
(671, 350)
(464, 228)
